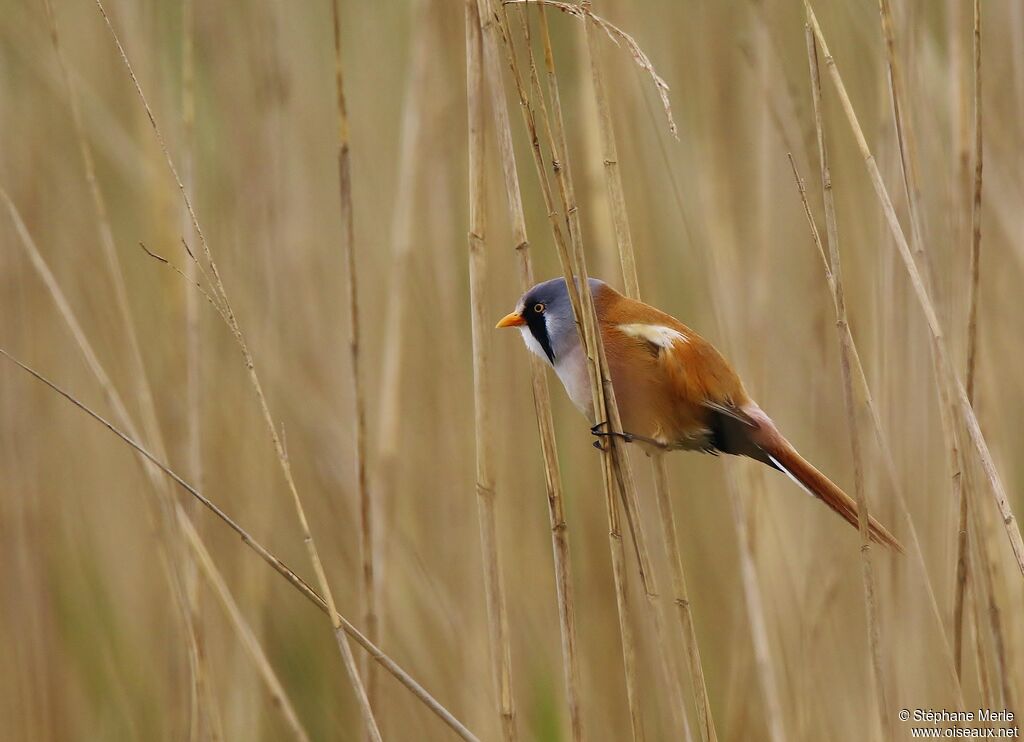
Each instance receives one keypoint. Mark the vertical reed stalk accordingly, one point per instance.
(834, 272)
(388, 415)
(879, 431)
(755, 615)
(541, 395)
(200, 691)
(631, 283)
(701, 699)
(218, 286)
(170, 507)
(583, 314)
(905, 143)
(245, 633)
(615, 464)
(154, 464)
(753, 602)
(193, 391)
(970, 420)
(618, 462)
(986, 565)
(367, 506)
(975, 265)
(497, 615)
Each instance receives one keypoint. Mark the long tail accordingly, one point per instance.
(781, 453)
(807, 476)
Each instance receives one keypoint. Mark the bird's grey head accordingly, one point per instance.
(544, 316)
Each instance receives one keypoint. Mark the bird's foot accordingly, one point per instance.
(601, 434)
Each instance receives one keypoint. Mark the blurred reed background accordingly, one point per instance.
(113, 629)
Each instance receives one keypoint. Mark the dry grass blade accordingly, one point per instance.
(985, 565)
(242, 628)
(168, 546)
(170, 508)
(755, 614)
(846, 353)
(681, 599)
(280, 567)
(218, 285)
(541, 396)
(883, 444)
(975, 268)
(201, 692)
(494, 588)
(615, 463)
(193, 360)
(882, 440)
(619, 472)
(905, 142)
(367, 505)
(583, 315)
(631, 283)
(970, 420)
(616, 34)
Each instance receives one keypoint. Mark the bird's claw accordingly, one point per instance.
(599, 444)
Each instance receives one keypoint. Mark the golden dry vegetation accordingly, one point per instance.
(130, 611)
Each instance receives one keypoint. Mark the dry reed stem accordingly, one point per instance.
(845, 343)
(610, 159)
(541, 395)
(755, 614)
(143, 390)
(494, 589)
(193, 399)
(616, 34)
(106, 240)
(615, 463)
(905, 143)
(167, 547)
(961, 139)
(845, 351)
(631, 284)
(618, 463)
(977, 589)
(990, 577)
(981, 598)
(367, 505)
(975, 265)
(883, 444)
(615, 536)
(170, 508)
(278, 566)
(680, 597)
(218, 285)
(391, 395)
(583, 318)
(970, 421)
(753, 601)
(242, 628)
(983, 555)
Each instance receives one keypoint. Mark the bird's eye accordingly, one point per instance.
(538, 308)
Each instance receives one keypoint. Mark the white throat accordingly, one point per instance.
(571, 366)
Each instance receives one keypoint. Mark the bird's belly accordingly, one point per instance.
(650, 407)
(642, 404)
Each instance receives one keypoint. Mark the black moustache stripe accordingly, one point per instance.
(539, 330)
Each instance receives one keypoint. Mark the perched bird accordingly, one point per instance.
(675, 391)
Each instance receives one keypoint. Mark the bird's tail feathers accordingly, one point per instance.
(800, 470)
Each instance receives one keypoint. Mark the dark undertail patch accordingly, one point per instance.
(731, 435)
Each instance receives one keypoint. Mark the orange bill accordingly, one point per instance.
(511, 320)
